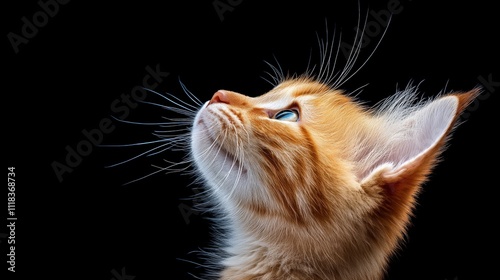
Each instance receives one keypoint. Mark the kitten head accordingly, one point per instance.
(273, 153)
(306, 162)
(287, 150)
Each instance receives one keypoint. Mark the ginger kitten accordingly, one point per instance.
(309, 183)
(312, 184)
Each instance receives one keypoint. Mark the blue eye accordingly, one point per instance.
(289, 115)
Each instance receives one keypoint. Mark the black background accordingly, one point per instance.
(64, 80)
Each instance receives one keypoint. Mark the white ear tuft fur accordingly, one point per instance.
(409, 133)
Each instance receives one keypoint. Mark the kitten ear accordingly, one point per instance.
(411, 145)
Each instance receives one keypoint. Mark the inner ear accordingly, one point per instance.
(405, 143)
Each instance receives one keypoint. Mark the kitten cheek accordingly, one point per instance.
(204, 121)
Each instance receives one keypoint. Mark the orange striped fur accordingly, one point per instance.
(326, 197)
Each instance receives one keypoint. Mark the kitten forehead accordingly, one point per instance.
(285, 94)
(277, 104)
(277, 98)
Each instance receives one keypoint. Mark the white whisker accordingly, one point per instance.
(333, 74)
(139, 123)
(161, 169)
(173, 123)
(143, 177)
(190, 94)
(354, 52)
(177, 99)
(187, 112)
(281, 76)
(140, 155)
(169, 169)
(371, 54)
(156, 132)
(132, 144)
(186, 106)
(276, 75)
(159, 151)
(309, 71)
(269, 82)
(189, 119)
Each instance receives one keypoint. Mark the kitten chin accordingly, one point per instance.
(311, 184)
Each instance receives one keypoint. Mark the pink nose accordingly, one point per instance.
(221, 96)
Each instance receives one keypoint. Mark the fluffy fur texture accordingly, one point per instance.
(328, 196)
(309, 183)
